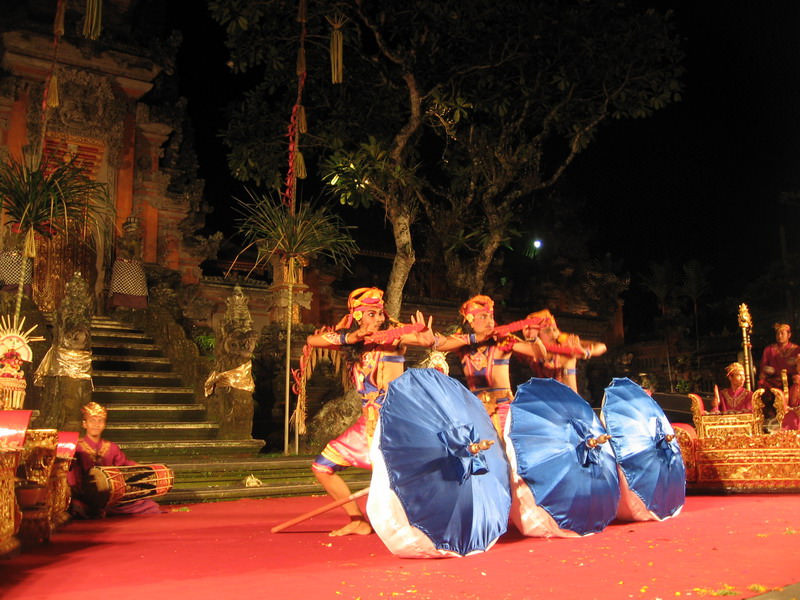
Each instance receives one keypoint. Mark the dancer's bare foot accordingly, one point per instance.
(354, 527)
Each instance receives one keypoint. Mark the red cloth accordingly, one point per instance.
(779, 358)
(740, 400)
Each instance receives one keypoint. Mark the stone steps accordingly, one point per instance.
(177, 451)
(149, 407)
(279, 476)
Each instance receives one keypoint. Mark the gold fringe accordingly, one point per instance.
(29, 248)
(93, 22)
(301, 61)
(302, 13)
(58, 23)
(300, 166)
(337, 51)
(298, 417)
(53, 100)
(302, 124)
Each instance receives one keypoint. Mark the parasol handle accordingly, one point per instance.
(476, 447)
(319, 511)
(601, 439)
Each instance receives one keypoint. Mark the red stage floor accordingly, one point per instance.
(732, 546)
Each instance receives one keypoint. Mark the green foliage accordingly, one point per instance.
(47, 198)
(205, 340)
(357, 177)
(310, 231)
(465, 107)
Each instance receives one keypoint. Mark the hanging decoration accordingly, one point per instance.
(337, 48)
(297, 121)
(309, 358)
(93, 21)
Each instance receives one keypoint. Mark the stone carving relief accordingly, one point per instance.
(90, 108)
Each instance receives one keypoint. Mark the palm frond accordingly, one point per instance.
(311, 231)
(46, 200)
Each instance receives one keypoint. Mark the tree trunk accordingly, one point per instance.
(403, 260)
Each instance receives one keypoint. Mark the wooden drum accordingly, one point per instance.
(121, 485)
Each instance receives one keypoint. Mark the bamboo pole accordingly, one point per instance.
(320, 510)
(287, 391)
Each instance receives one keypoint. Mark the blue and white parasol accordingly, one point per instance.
(652, 473)
(440, 484)
(564, 477)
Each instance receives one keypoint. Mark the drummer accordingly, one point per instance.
(93, 451)
(373, 366)
(485, 356)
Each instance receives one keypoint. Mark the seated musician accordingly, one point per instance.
(563, 351)
(93, 451)
(779, 360)
(735, 398)
(485, 356)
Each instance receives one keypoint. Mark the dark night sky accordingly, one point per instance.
(702, 177)
(699, 179)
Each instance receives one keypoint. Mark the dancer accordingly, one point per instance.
(93, 451)
(485, 356)
(734, 398)
(373, 366)
(563, 350)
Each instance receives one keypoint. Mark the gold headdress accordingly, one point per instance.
(731, 368)
(93, 409)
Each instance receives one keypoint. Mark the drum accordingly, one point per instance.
(121, 485)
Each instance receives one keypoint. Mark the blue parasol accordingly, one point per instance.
(564, 476)
(652, 473)
(432, 494)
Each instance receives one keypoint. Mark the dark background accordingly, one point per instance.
(700, 179)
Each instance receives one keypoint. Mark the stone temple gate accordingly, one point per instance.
(114, 116)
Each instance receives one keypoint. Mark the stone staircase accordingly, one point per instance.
(156, 418)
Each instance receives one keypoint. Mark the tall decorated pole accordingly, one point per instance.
(746, 325)
(297, 125)
(288, 234)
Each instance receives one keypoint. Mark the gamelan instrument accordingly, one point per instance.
(746, 325)
(110, 486)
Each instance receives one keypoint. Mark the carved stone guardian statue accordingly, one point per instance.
(229, 388)
(66, 370)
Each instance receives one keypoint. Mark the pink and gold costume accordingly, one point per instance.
(740, 400)
(479, 360)
(351, 448)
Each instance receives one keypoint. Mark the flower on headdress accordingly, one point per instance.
(368, 297)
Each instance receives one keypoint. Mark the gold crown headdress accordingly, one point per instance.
(736, 366)
(93, 409)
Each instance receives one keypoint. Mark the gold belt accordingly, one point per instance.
(491, 398)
